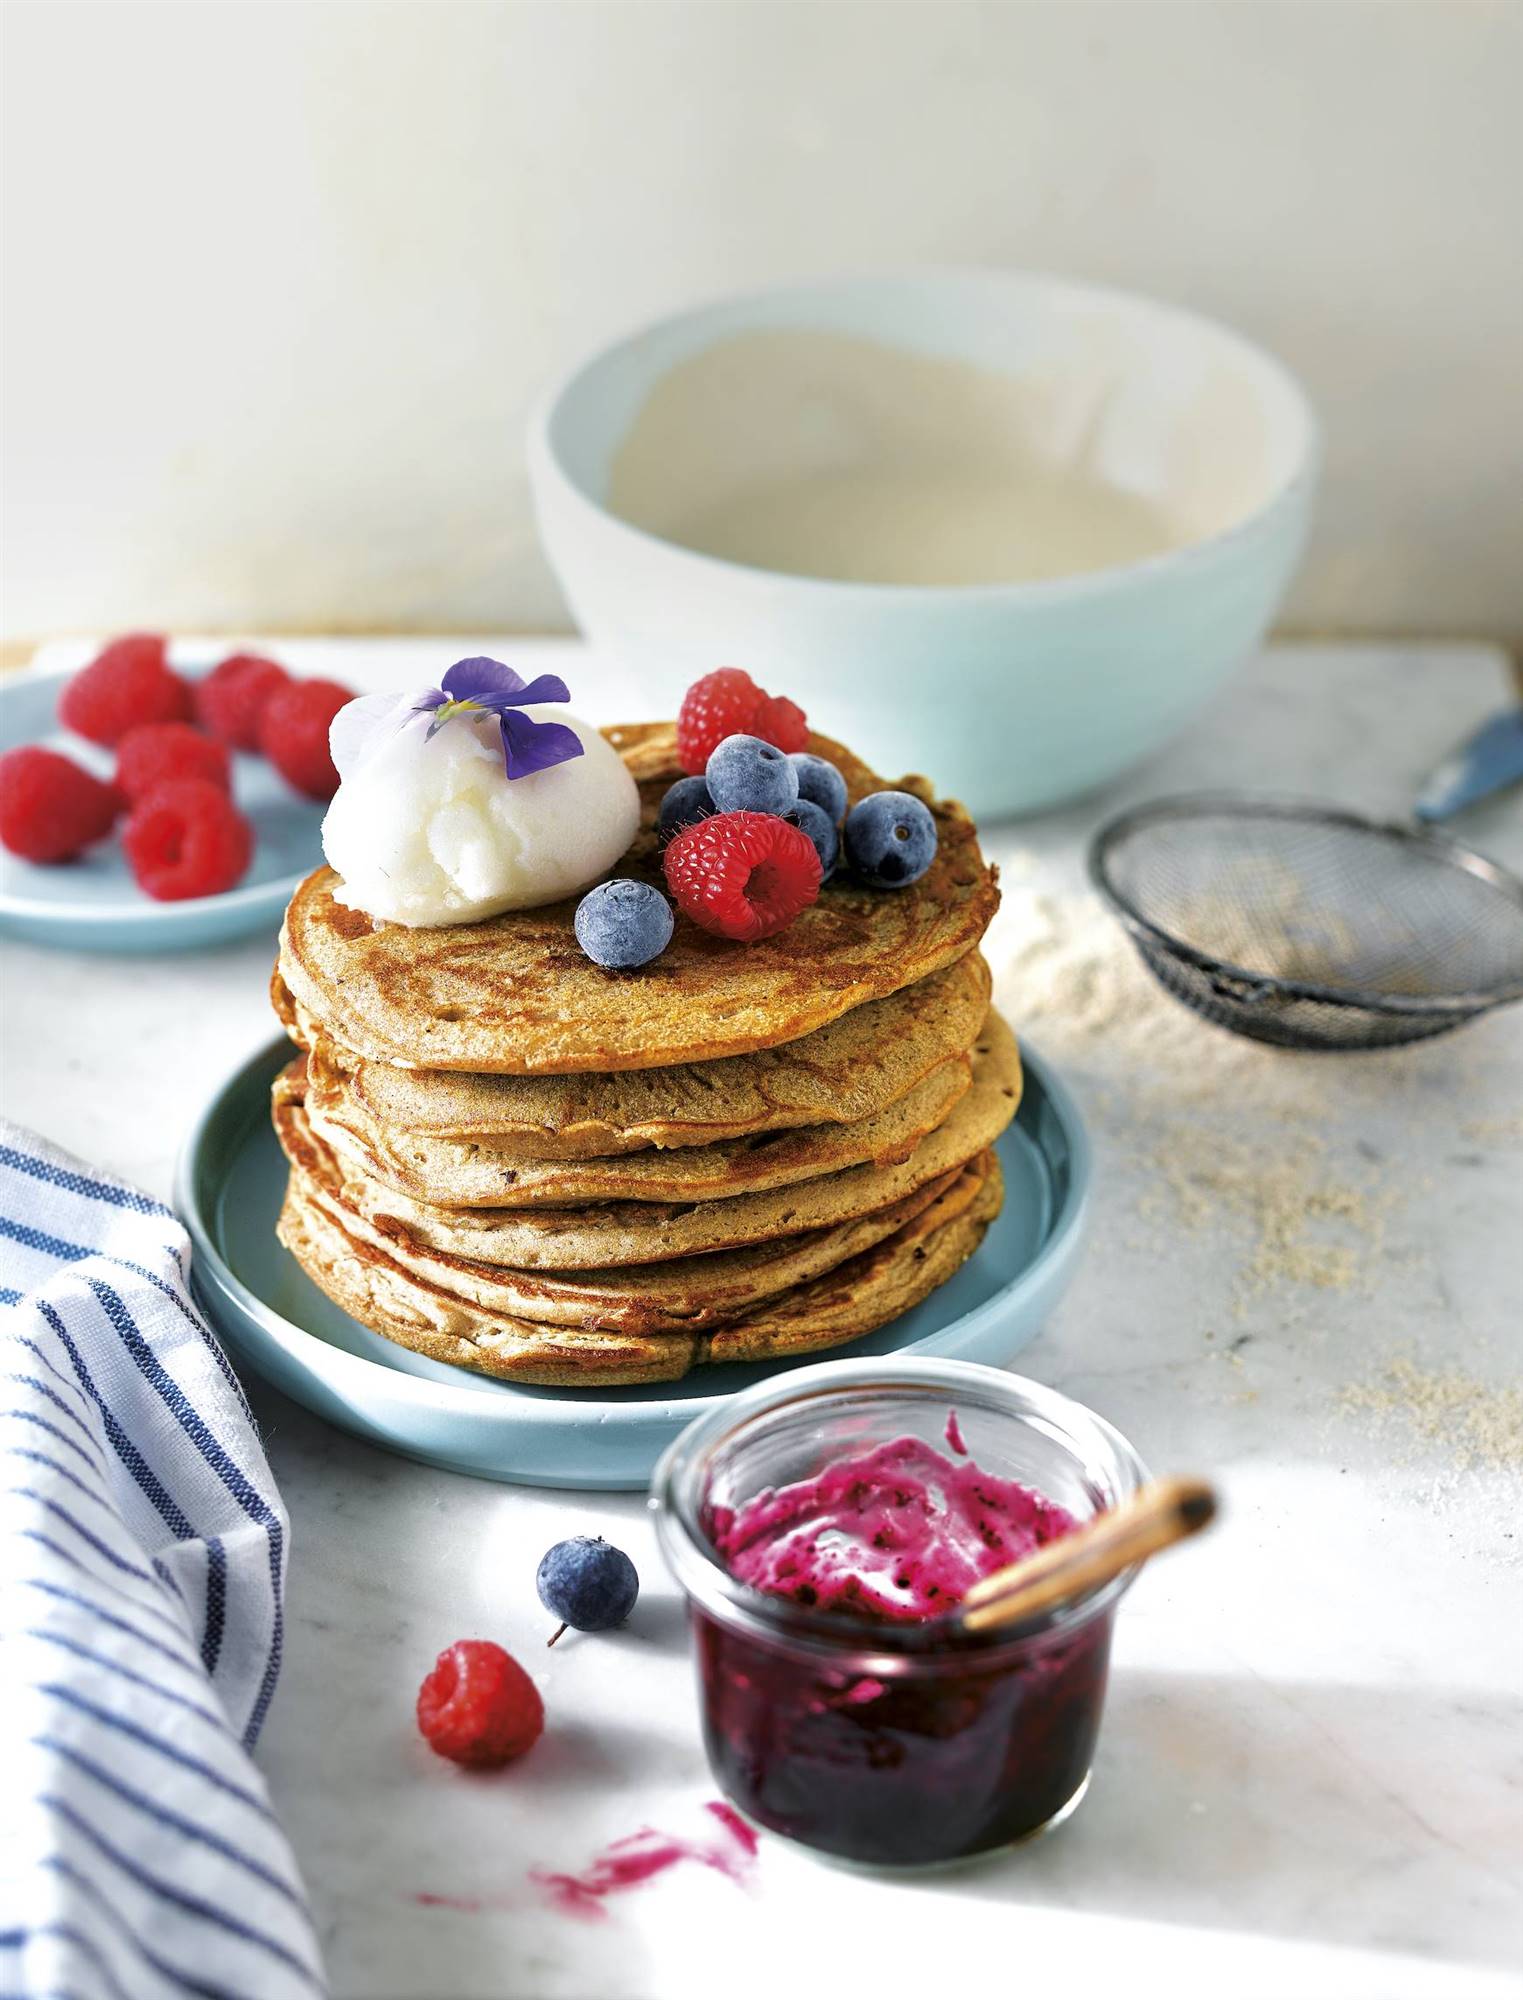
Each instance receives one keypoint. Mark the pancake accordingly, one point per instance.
(470, 1174)
(687, 1293)
(840, 1074)
(864, 1293)
(875, 1288)
(515, 995)
(632, 1233)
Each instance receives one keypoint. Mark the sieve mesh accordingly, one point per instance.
(1311, 928)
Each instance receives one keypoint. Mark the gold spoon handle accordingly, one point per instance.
(1161, 1514)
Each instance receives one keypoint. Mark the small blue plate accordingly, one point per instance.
(93, 904)
(274, 1320)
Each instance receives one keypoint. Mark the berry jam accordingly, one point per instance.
(898, 1740)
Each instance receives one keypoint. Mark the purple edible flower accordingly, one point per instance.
(481, 686)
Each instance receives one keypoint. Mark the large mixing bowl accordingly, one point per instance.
(1012, 695)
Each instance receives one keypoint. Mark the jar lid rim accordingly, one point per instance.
(709, 1585)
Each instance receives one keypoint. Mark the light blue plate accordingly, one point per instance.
(276, 1321)
(93, 904)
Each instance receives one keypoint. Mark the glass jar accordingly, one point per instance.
(886, 1744)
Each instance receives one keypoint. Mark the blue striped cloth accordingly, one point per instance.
(142, 1581)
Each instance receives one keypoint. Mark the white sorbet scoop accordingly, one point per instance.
(430, 830)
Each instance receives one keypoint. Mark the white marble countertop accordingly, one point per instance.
(1303, 1278)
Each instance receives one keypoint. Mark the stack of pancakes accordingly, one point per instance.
(506, 1157)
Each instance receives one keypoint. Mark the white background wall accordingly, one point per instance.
(281, 280)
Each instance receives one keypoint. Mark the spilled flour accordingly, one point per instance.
(1311, 1174)
(1477, 1422)
(1305, 1224)
(1495, 1131)
(1067, 973)
(1224, 1128)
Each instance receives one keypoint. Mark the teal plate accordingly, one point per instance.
(93, 904)
(275, 1321)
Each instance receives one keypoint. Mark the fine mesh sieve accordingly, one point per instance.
(1308, 927)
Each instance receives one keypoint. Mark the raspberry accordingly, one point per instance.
(782, 722)
(128, 682)
(728, 702)
(293, 734)
(158, 753)
(478, 1706)
(49, 807)
(187, 839)
(742, 874)
(720, 705)
(231, 699)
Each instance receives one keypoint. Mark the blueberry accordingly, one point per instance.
(587, 1583)
(685, 804)
(747, 775)
(822, 784)
(820, 827)
(890, 839)
(623, 923)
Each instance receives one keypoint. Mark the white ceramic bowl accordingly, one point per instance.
(1012, 695)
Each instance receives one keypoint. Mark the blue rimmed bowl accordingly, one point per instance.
(1013, 695)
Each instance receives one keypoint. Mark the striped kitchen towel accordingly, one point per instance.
(142, 1580)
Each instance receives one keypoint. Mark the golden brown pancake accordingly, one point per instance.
(860, 1295)
(680, 1296)
(873, 1289)
(632, 1233)
(842, 1073)
(516, 995)
(472, 1174)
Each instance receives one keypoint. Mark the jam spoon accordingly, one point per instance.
(1162, 1513)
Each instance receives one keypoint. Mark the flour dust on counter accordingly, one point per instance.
(1479, 1422)
(1222, 1131)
